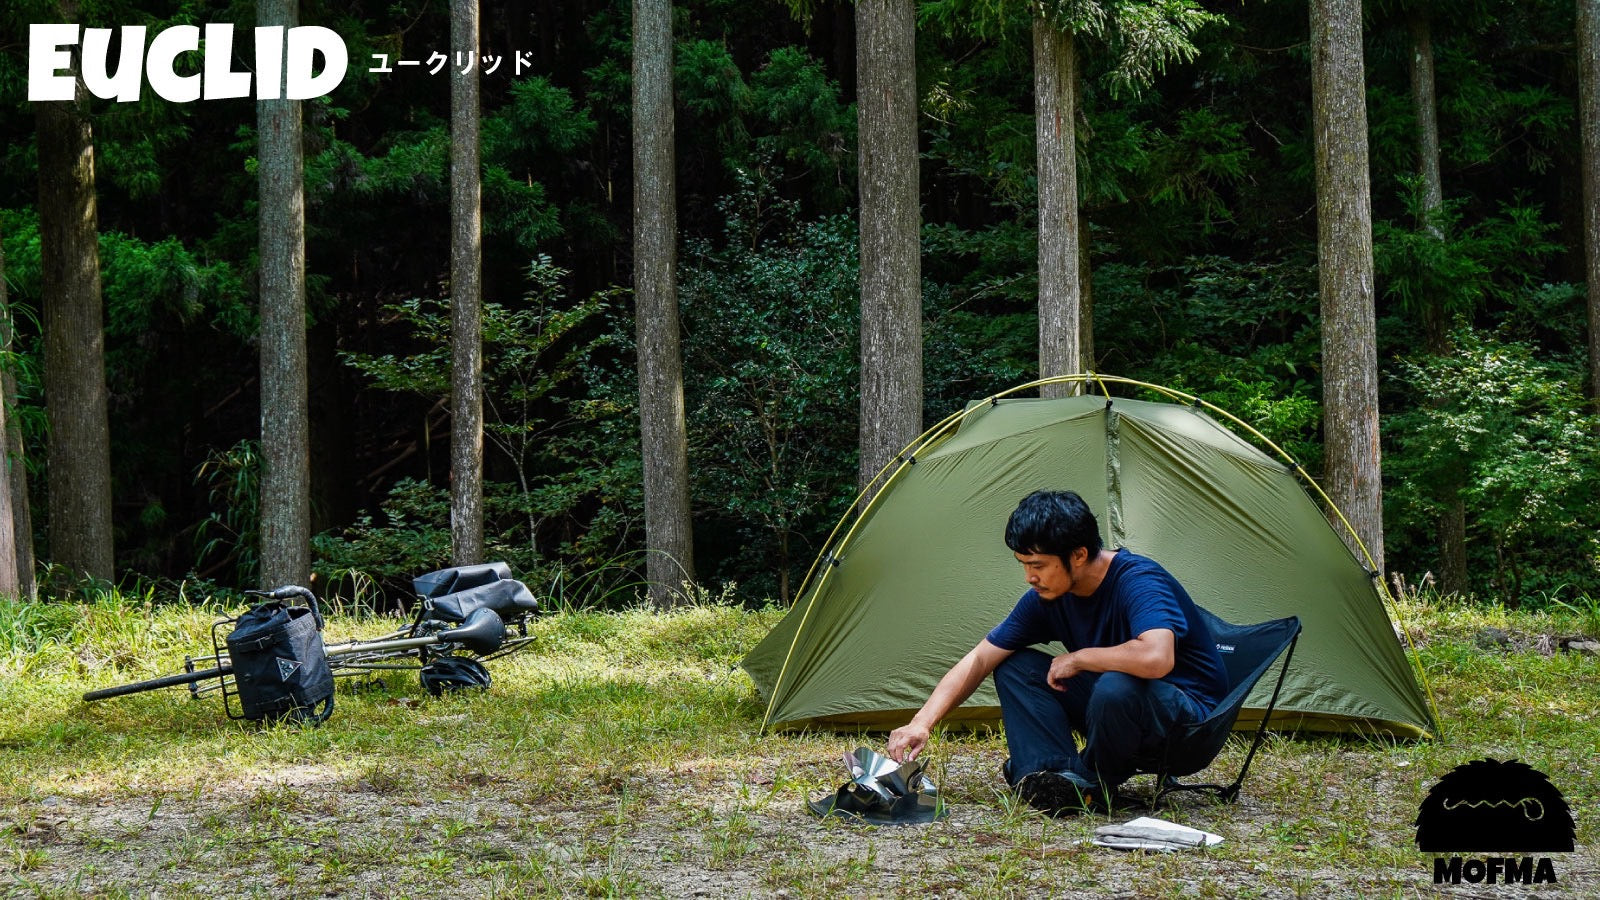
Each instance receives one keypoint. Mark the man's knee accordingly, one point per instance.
(1117, 693)
(1023, 672)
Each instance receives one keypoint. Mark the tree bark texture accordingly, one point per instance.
(1425, 101)
(1589, 126)
(1085, 297)
(1452, 524)
(1055, 79)
(1345, 272)
(466, 294)
(891, 250)
(16, 542)
(285, 421)
(669, 536)
(74, 342)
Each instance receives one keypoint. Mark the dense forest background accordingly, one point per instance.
(1198, 193)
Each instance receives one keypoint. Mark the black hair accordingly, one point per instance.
(1054, 522)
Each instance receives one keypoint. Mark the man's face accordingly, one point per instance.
(1047, 574)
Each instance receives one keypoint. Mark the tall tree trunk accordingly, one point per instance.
(74, 341)
(1589, 126)
(1345, 271)
(466, 294)
(891, 251)
(16, 537)
(1085, 297)
(1055, 76)
(1452, 530)
(669, 535)
(285, 428)
(1426, 105)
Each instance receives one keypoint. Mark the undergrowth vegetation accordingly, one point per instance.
(623, 756)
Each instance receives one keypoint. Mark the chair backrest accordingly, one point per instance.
(1247, 651)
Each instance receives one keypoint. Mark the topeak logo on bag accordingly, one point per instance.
(286, 668)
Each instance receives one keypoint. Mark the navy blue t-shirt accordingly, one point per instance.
(1136, 596)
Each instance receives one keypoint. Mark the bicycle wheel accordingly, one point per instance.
(164, 681)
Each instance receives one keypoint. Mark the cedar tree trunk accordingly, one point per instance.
(466, 293)
(1345, 272)
(74, 342)
(285, 420)
(891, 250)
(669, 536)
(1055, 115)
(1589, 125)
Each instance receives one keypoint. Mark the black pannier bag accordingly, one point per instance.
(279, 667)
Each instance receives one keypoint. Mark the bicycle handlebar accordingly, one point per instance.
(289, 591)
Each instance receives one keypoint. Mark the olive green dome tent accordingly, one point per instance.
(904, 589)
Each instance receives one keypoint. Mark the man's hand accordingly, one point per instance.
(1062, 668)
(906, 742)
(955, 687)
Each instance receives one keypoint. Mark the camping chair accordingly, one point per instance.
(1248, 651)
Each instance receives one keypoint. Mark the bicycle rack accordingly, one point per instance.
(219, 644)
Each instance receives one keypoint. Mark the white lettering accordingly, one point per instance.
(46, 58)
(286, 63)
(222, 82)
(124, 85)
(304, 43)
(164, 52)
(269, 62)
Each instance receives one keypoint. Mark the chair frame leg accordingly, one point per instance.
(1229, 793)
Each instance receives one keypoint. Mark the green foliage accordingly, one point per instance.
(529, 353)
(1509, 435)
(1204, 154)
(1195, 170)
(711, 87)
(978, 127)
(1142, 37)
(228, 539)
(1242, 335)
(1453, 269)
(534, 133)
(411, 535)
(1145, 37)
(769, 315)
(786, 116)
(804, 126)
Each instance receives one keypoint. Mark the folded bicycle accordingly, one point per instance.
(271, 660)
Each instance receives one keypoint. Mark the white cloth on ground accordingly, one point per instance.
(1145, 833)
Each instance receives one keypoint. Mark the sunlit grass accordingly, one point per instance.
(621, 756)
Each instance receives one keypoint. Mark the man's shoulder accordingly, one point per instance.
(1128, 562)
(1140, 580)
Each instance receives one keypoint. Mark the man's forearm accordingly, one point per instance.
(1141, 657)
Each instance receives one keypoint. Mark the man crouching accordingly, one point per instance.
(1140, 662)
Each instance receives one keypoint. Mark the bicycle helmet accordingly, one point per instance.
(454, 673)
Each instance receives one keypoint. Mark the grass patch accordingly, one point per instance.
(621, 757)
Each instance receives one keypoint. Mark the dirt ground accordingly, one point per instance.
(698, 831)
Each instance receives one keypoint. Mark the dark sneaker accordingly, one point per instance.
(1063, 793)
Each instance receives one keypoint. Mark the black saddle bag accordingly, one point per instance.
(280, 669)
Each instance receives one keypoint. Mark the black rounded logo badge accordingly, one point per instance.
(1492, 806)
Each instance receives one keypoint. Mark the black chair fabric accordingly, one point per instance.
(1248, 653)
